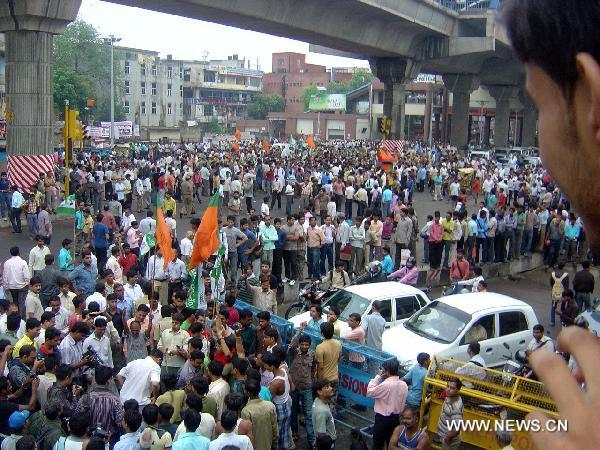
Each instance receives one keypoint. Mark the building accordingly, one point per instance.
(291, 75)
(219, 92)
(153, 95)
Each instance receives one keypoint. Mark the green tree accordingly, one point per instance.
(308, 93)
(264, 104)
(214, 126)
(82, 71)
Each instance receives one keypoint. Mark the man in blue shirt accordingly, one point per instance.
(387, 265)
(100, 235)
(190, 440)
(84, 275)
(415, 379)
(245, 250)
(16, 204)
(132, 420)
(4, 196)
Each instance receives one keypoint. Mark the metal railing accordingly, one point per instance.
(469, 5)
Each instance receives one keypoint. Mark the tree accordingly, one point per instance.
(214, 126)
(308, 93)
(264, 104)
(82, 71)
(360, 77)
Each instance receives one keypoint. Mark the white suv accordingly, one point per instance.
(447, 325)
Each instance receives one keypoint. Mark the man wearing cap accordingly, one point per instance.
(16, 423)
(8, 401)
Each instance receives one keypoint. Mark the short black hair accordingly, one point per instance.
(327, 330)
(79, 423)
(150, 414)
(474, 347)
(318, 385)
(132, 418)
(550, 34)
(102, 374)
(31, 323)
(200, 384)
(538, 327)
(252, 386)
(13, 321)
(229, 420)
(264, 315)
(216, 368)
(166, 411)
(63, 372)
(191, 420)
(392, 366)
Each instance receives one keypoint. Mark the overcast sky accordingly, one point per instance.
(191, 39)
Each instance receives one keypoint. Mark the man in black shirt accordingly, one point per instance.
(8, 404)
(583, 285)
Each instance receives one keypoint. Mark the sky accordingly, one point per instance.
(192, 39)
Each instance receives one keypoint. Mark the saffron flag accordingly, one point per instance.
(235, 146)
(164, 239)
(238, 134)
(310, 142)
(265, 146)
(206, 241)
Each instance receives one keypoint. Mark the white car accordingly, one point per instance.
(399, 302)
(447, 325)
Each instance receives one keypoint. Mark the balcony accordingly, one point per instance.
(469, 5)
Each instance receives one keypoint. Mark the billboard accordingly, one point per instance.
(327, 102)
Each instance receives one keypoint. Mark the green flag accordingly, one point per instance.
(148, 242)
(292, 141)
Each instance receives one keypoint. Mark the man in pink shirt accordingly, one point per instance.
(436, 245)
(389, 392)
(355, 334)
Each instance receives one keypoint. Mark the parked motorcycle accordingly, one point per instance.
(308, 296)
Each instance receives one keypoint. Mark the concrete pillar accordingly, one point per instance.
(394, 73)
(29, 92)
(503, 95)
(461, 86)
(529, 125)
(29, 26)
(486, 129)
(427, 117)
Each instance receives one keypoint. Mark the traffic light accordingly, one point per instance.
(388, 126)
(381, 124)
(72, 125)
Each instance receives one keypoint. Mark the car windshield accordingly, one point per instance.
(438, 322)
(347, 303)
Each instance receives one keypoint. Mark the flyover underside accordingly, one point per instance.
(347, 25)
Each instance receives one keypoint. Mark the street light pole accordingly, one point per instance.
(111, 41)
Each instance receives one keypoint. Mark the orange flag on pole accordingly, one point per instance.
(238, 134)
(265, 145)
(310, 142)
(206, 241)
(164, 239)
(235, 146)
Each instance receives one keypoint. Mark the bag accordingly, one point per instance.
(346, 253)
(557, 287)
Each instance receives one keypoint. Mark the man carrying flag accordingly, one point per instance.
(157, 264)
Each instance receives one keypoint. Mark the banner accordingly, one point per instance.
(353, 384)
(327, 102)
(122, 129)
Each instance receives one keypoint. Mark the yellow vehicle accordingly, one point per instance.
(492, 400)
(465, 178)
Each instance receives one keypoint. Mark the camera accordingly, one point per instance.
(91, 354)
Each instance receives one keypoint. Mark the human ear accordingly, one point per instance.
(588, 70)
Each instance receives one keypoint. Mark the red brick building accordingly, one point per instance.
(291, 75)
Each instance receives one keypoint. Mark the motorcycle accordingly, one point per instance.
(308, 296)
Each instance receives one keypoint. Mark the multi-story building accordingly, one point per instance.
(220, 91)
(291, 75)
(153, 94)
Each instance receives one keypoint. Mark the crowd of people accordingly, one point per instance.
(104, 335)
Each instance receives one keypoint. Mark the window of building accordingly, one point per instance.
(126, 106)
(153, 107)
(143, 108)
(180, 71)
(180, 108)
(170, 72)
(280, 62)
(153, 88)
(169, 109)
(181, 91)
(143, 87)
(187, 74)
(126, 67)
(127, 88)
(209, 76)
(208, 110)
(143, 70)
(154, 70)
(169, 90)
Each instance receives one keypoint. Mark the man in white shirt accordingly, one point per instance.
(127, 218)
(113, 265)
(229, 438)
(99, 296)
(37, 256)
(16, 277)
(148, 224)
(100, 342)
(171, 223)
(140, 379)
(540, 341)
(186, 245)
(218, 387)
(475, 367)
(155, 273)
(61, 315)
